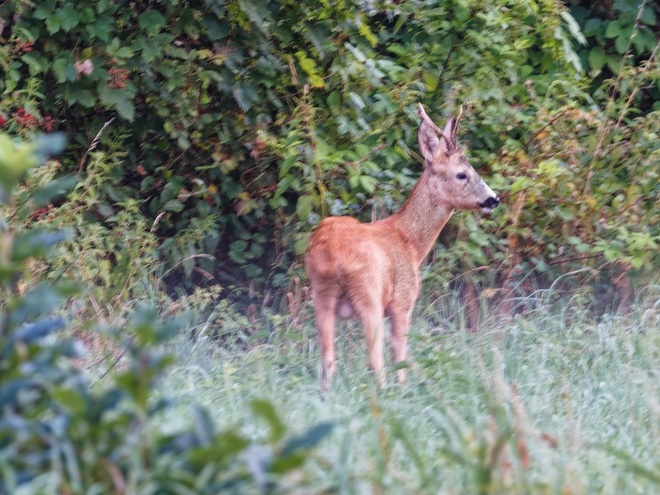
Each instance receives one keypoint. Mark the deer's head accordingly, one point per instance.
(453, 181)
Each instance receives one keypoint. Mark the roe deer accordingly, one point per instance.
(372, 270)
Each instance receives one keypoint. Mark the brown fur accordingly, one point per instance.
(372, 270)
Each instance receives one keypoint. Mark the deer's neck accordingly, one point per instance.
(420, 221)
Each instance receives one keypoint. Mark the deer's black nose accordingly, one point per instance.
(490, 203)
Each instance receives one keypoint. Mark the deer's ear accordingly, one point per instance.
(430, 144)
(450, 127)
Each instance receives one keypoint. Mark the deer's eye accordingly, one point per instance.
(461, 176)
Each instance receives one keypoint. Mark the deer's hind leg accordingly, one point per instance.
(325, 307)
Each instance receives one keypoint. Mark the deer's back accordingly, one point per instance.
(359, 261)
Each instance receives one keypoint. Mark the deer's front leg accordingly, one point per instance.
(400, 327)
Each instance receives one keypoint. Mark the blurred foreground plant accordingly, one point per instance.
(60, 434)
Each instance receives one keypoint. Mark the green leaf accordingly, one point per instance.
(32, 332)
(592, 26)
(54, 189)
(215, 29)
(308, 65)
(285, 184)
(82, 96)
(53, 24)
(36, 67)
(621, 43)
(44, 10)
(303, 207)
(150, 48)
(204, 427)
(300, 246)
(67, 15)
(245, 95)
(102, 28)
(368, 183)
(70, 399)
(224, 446)
(86, 15)
(266, 410)
(118, 99)
(60, 68)
(597, 58)
(613, 63)
(648, 16)
(174, 205)
(613, 29)
(151, 21)
(36, 243)
(308, 439)
(124, 52)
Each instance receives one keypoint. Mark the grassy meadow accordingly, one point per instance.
(551, 401)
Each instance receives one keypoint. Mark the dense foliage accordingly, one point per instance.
(221, 132)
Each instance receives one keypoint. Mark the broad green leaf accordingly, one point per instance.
(245, 95)
(36, 243)
(203, 424)
(648, 16)
(32, 332)
(620, 44)
(35, 65)
(44, 10)
(53, 189)
(118, 99)
(592, 26)
(224, 446)
(82, 96)
(60, 68)
(266, 410)
(303, 207)
(309, 66)
(300, 246)
(149, 48)
(309, 438)
(597, 58)
(70, 399)
(174, 205)
(613, 29)
(67, 15)
(368, 183)
(151, 21)
(102, 28)
(216, 29)
(53, 24)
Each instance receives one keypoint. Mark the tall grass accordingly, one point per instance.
(552, 401)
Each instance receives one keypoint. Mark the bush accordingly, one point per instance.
(242, 123)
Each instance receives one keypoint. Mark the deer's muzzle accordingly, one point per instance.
(490, 203)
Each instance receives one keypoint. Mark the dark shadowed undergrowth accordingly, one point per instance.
(552, 400)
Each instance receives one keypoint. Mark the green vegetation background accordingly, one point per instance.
(224, 131)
